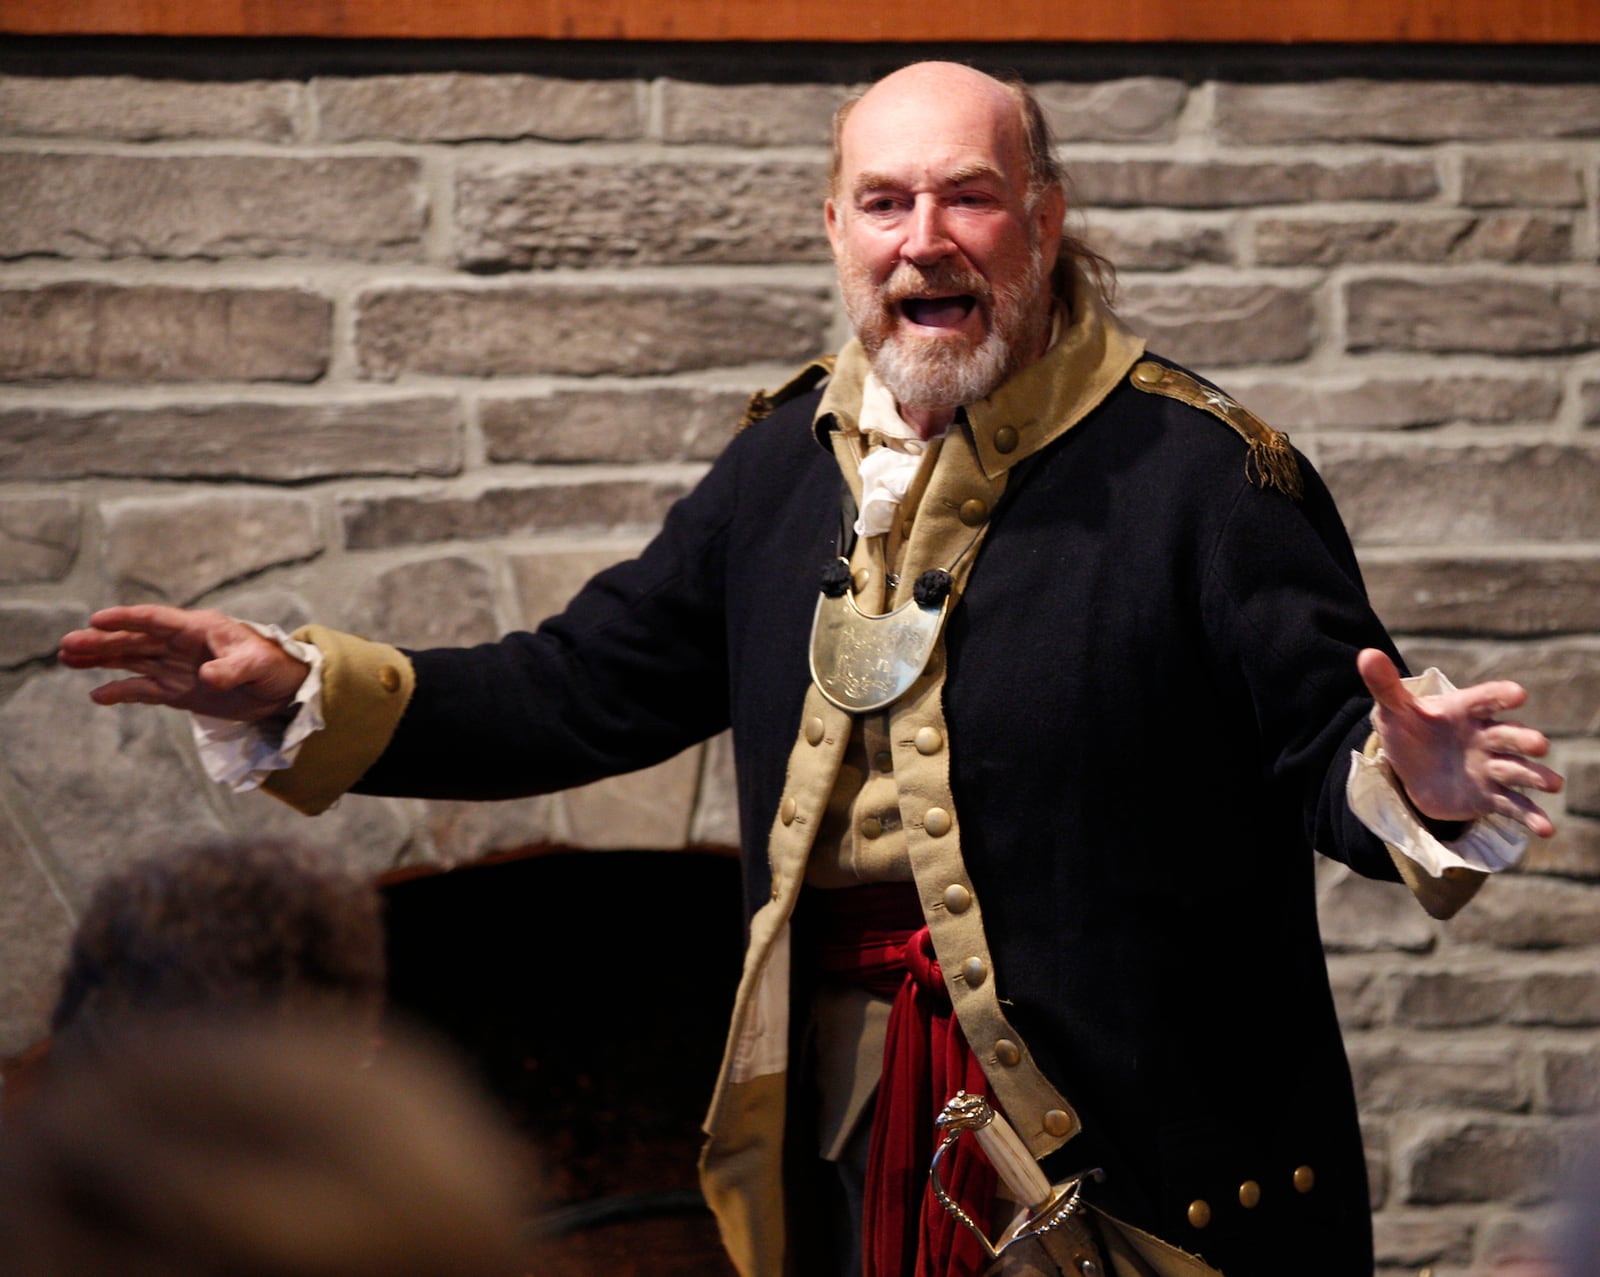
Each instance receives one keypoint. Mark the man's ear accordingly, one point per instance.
(830, 217)
(1048, 217)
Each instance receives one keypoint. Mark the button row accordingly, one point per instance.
(1199, 1212)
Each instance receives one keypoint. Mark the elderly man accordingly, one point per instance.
(1041, 658)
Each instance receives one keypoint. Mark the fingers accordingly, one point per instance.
(1485, 700)
(155, 619)
(1515, 773)
(1523, 810)
(1514, 738)
(129, 691)
(1378, 672)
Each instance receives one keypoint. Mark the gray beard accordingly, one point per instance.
(934, 374)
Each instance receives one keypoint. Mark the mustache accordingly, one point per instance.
(943, 279)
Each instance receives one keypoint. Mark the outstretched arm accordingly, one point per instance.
(202, 661)
(1454, 758)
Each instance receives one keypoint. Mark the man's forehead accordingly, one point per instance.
(935, 115)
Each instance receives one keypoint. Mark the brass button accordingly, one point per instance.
(974, 972)
(1147, 373)
(1007, 1052)
(883, 760)
(389, 678)
(1249, 1194)
(814, 731)
(957, 899)
(1199, 1213)
(974, 511)
(929, 740)
(1305, 1179)
(1058, 1122)
(786, 811)
(871, 827)
(861, 579)
(937, 822)
(1005, 439)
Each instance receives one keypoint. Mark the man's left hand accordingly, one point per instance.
(1454, 758)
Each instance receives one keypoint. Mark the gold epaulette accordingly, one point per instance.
(762, 405)
(1269, 460)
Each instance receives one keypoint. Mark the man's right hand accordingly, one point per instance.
(200, 661)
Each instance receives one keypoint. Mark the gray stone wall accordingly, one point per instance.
(413, 351)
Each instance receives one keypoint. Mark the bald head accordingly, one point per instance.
(913, 91)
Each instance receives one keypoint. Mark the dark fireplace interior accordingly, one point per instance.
(591, 992)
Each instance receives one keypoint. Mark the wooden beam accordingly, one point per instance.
(966, 21)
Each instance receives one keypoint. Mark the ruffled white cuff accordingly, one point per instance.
(242, 755)
(1488, 845)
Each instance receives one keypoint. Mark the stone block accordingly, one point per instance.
(546, 582)
(104, 785)
(1375, 1143)
(520, 216)
(1417, 1238)
(1391, 1079)
(126, 108)
(1138, 109)
(30, 631)
(1454, 237)
(655, 423)
(1219, 325)
(365, 207)
(236, 440)
(1403, 111)
(458, 107)
(585, 329)
(716, 807)
(749, 114)
(1401, 492)
(1141, 183)
(647, 810)
(1159, 241)
(1399, 403)
(1569, 1078)
(1452, 1160)
(1453, 999)
(160, 550)
(1519, 1244)
(267, 605)
(1573, 851)
(1583, 786)
(1562, 677)
(1494, 180)
(1485, 315)
(1363, 915)
(359, 834)
(1358, 992)
(463, 831)
(1466, 596)
(1563, 997)
(38, 537)
(1518, 912)
(35, 930)
(152, 333)
(504, 512)
(443, 602)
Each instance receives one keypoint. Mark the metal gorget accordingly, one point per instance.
(863, 663)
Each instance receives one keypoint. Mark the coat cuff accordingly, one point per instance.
(366, 687)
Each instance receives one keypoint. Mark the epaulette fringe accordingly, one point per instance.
(1269, 460)
(762, 405)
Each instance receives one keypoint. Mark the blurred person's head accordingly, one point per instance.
(261, 1150)
(228, 928)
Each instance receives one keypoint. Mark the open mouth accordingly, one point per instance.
(938, 312)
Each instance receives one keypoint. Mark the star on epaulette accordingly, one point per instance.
(1269, 460)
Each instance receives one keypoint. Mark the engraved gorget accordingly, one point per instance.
(863, 663)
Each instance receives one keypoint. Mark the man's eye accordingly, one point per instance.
(881, 204)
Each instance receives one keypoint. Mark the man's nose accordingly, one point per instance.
(926, 239)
